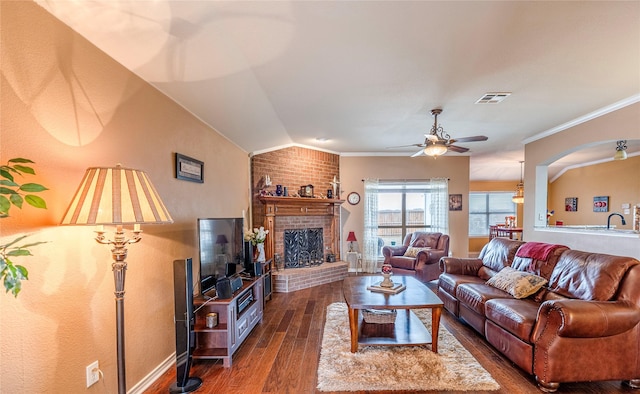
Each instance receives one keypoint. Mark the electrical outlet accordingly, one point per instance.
(92, 373)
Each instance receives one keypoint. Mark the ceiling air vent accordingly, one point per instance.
(493, 98)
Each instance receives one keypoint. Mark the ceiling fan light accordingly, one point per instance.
(436, 149)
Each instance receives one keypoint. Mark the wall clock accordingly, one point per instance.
(353, 198)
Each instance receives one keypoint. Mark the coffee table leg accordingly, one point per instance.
(435, 328)
(353, 326)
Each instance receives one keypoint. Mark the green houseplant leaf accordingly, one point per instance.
(24, 169)
(16, 200)
(13, 274)
(20, 160)
(35, 201)
(32, 188)
(5, 204)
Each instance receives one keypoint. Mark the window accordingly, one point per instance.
(488, 208)
(404, 208)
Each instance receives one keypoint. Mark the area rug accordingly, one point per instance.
(413, 368)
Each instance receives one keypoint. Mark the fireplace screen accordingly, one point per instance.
(303, 247)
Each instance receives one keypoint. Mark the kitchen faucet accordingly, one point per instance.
(615, 214)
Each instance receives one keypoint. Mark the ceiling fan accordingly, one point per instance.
(438, 142)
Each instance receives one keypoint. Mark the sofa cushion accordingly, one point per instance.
(413, 251)
(589, 276)
(475, 295)
(421, 239)
(525, 262)
(517, 283)
(449, 282)
(499, 253)
(516, 316)
(407, 263)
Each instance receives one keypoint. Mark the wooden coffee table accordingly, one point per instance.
(407, 330)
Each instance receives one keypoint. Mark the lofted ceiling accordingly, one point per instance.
(364, 75)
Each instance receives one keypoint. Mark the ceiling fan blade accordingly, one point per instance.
(418, 153)
(458, 149)
(471, 139)
(405, 146)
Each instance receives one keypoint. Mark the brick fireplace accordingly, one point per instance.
(293, 279)
(292, 168)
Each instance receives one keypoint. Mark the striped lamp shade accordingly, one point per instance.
(116, 195)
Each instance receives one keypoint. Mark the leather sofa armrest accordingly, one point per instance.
(390, 251)
(427, 264)
(426, 257)
(460, 266)
(585, 319)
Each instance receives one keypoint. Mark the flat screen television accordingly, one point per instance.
(221, 249)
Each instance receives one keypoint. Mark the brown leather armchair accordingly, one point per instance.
(422, 259)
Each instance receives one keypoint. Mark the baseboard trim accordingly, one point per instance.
(148, 380)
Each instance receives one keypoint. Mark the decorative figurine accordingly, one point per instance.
(386, 273)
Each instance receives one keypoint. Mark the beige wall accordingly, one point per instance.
(618, 125)
(353, 169)
(620, 180)
(68, 106)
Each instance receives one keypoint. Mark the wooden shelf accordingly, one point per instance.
(221, 341)
(300, 200)
(200, 327)
(217, 352)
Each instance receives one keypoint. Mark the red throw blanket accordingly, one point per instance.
(537, 250)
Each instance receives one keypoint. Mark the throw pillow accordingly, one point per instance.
(519, 284)
(413, 252)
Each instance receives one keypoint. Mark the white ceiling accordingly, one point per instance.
(365, 74)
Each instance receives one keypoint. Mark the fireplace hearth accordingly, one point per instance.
(303, 247)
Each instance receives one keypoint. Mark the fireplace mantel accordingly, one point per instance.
(295, 206)
(300, 206)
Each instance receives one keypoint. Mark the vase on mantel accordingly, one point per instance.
(260, 253)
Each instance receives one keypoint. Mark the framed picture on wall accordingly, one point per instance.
(455, 202)
(601, 204)
(189, 169)
(571, 204)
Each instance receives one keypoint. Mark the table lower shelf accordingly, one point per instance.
(210, 353)
(407, 330)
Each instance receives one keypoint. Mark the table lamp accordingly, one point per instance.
(117, 196)
(351, 238)
(222, 241)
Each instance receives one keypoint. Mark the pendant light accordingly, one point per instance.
(621, 150)
(518, 197)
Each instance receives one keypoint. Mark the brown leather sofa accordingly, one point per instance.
(418, 255)
(583, 325)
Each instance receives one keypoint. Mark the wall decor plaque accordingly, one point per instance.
(189, 169)
(571, 204)
(601, 204)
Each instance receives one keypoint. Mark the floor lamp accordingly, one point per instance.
(117, 196)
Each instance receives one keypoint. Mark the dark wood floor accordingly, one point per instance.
(281, 354)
